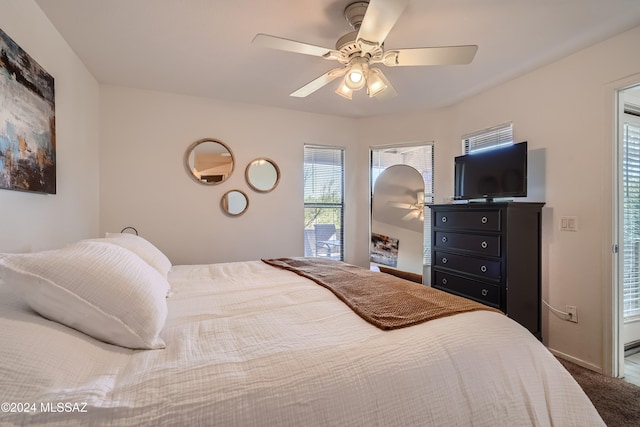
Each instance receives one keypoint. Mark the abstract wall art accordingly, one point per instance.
(27, 122)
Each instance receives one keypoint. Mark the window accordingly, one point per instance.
(323, 202)
(419, 157)
(631, 211)
(488, 139)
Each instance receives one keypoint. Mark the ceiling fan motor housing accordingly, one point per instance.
(354, 13)
(347, 45)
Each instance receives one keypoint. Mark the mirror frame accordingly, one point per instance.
(272, 163)
(224, 204)
(193, 146)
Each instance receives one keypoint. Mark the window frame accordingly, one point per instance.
(326, 205)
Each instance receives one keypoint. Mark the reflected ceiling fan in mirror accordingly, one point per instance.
(416, 210)
(358, 50)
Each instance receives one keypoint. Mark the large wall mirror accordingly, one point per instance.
(397, 220)
(234, 202)
(209, 161)
(262, 175)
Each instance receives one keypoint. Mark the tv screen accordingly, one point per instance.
(501, 172)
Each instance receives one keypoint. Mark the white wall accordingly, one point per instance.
(30, 221)
(144, 136)
(564, 111)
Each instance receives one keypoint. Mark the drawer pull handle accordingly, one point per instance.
(484, 220)
(445, 260)
(483, 268)
(444, 281)
(484, 245)
(443, 219)
(444, 239)
(485, 292)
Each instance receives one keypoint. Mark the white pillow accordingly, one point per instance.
(98, 288)
(143, 248)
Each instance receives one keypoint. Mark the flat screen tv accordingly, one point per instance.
(501, 172)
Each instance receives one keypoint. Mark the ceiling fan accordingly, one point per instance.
(358, 50)
(416, 210)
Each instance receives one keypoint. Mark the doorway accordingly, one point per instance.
(419, 156)
(628, 147)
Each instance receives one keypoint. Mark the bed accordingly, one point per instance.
(250, 344)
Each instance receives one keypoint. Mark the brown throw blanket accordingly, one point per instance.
(385, 301)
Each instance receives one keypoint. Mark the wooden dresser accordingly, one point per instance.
(491, 253)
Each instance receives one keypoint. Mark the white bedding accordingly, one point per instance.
(248, 344)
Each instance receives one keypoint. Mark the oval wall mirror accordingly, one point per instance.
(262, 174)
(234, 202)
(209, 161)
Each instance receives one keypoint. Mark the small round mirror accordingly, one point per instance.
(209, 161)
(262, 175)
(234, 202)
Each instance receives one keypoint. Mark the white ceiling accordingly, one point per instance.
(203, 47)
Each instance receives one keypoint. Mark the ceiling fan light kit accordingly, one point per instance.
(375, 84)
(355, 78)
(358, 50)
(344, 91)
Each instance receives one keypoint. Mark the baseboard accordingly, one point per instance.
(575, 360)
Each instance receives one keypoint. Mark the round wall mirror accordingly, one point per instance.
(234, 202)
(262, 174)
(209, 161)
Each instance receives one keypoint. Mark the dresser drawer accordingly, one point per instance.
(470, 219)
(486, 293)
(482, 244)
(477, 266)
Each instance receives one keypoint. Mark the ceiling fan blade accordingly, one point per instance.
(389, 92)
(318, 83)
(411, 215)
(379, 19)
(400, 205)
(445, 55)
(273, 42)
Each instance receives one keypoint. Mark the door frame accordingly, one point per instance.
(612, 298)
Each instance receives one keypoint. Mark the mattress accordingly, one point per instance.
(248, 344)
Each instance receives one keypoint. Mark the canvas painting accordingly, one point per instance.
(27, 122)
(384, 250)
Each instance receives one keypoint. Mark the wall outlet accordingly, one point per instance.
(573, 314)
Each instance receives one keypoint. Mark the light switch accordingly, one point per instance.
(569, 223)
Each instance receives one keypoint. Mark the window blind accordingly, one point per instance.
(487, 139)
(631, 214)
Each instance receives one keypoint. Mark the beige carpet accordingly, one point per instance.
(617, 401)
